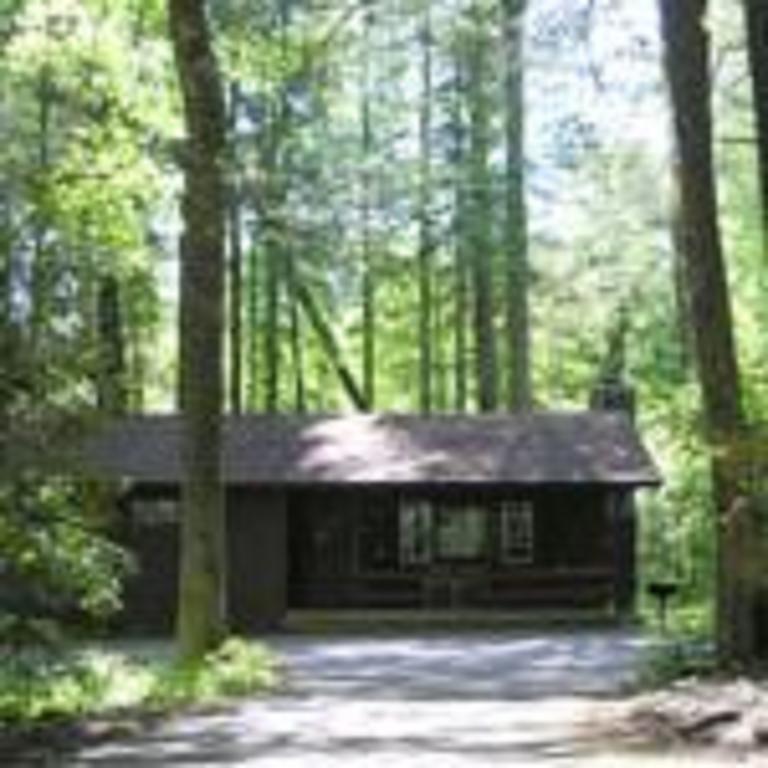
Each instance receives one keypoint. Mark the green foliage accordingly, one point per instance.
(55, 565)
(236, 668)
(40, 686)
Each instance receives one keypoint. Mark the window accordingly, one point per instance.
(517, 532)
(154, 512)
(433, 532)
(461, 532)
(377, 541)
(415, 533)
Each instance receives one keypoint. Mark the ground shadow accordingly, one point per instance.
(510, 698)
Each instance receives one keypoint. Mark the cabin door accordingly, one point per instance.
(450, 546)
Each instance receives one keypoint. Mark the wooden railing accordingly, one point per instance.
(572, 588)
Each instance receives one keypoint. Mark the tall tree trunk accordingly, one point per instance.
(272, 256)
(479, 224)
(111, 390)
(426, 246)
(252, 317)
(201, 616)
(516, 218)
(274, 220)
(439, 377)
(757, 51)
(459, 226)
(41, 267)
(369, 279)
(686, 60)
(235, 264)
(330, 344)
(100, 498)
(9, 341)
(297, 356)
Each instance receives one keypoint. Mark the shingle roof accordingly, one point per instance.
(529, 449)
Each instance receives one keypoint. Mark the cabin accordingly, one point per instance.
(384, 512)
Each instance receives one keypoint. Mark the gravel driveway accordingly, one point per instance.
(437, 701)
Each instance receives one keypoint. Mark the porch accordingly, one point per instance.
(457, 553)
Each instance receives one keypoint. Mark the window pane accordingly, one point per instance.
(151, 512)
(377, 541)
(416, 533)
(517, 532)
(462, 533)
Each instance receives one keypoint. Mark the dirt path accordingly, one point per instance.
(434, 701)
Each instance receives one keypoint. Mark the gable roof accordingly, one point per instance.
(527, 449)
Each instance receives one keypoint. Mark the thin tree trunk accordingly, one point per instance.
(111, 391)
(686, 59)
(201, 616)
(369, 280)
(41, 267)
(516, 218)
(300, 396)
(460, 270)
(757, 51)
(330, 345)
(235, 266)
(137, 367)
(9, 341)
(440, 396)
(479, 225)
(272, 330)
(425, 218)
(252, 314)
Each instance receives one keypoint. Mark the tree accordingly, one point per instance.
(234, 225)
(201, 610)
(686, 61)
(424, 218)
(757, 52)
(111, 391)
(515, 220)
(366, 205)
(459, 231)
(479, 209)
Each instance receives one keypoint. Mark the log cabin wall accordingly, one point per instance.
(576, 558)
(257, 559)
(149, 530)
(341, 547)
(256, 551)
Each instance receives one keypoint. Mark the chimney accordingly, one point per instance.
(613, 394)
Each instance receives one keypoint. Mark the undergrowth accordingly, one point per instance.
(36, 686)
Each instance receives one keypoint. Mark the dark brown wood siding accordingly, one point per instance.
(576, 561)
(257, 559)
(340, 548)
(256, 551)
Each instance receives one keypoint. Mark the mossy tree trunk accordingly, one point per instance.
(686, 59)
(757, 52)
(517, 331)
(201, 609)
(479, 206)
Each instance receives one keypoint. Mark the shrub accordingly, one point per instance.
(40, 685)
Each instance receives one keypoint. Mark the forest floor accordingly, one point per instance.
(454, 700)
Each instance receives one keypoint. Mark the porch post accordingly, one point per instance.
(621, 508)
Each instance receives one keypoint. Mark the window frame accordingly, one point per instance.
(482, 512)
(518, 547)
(149, 512)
